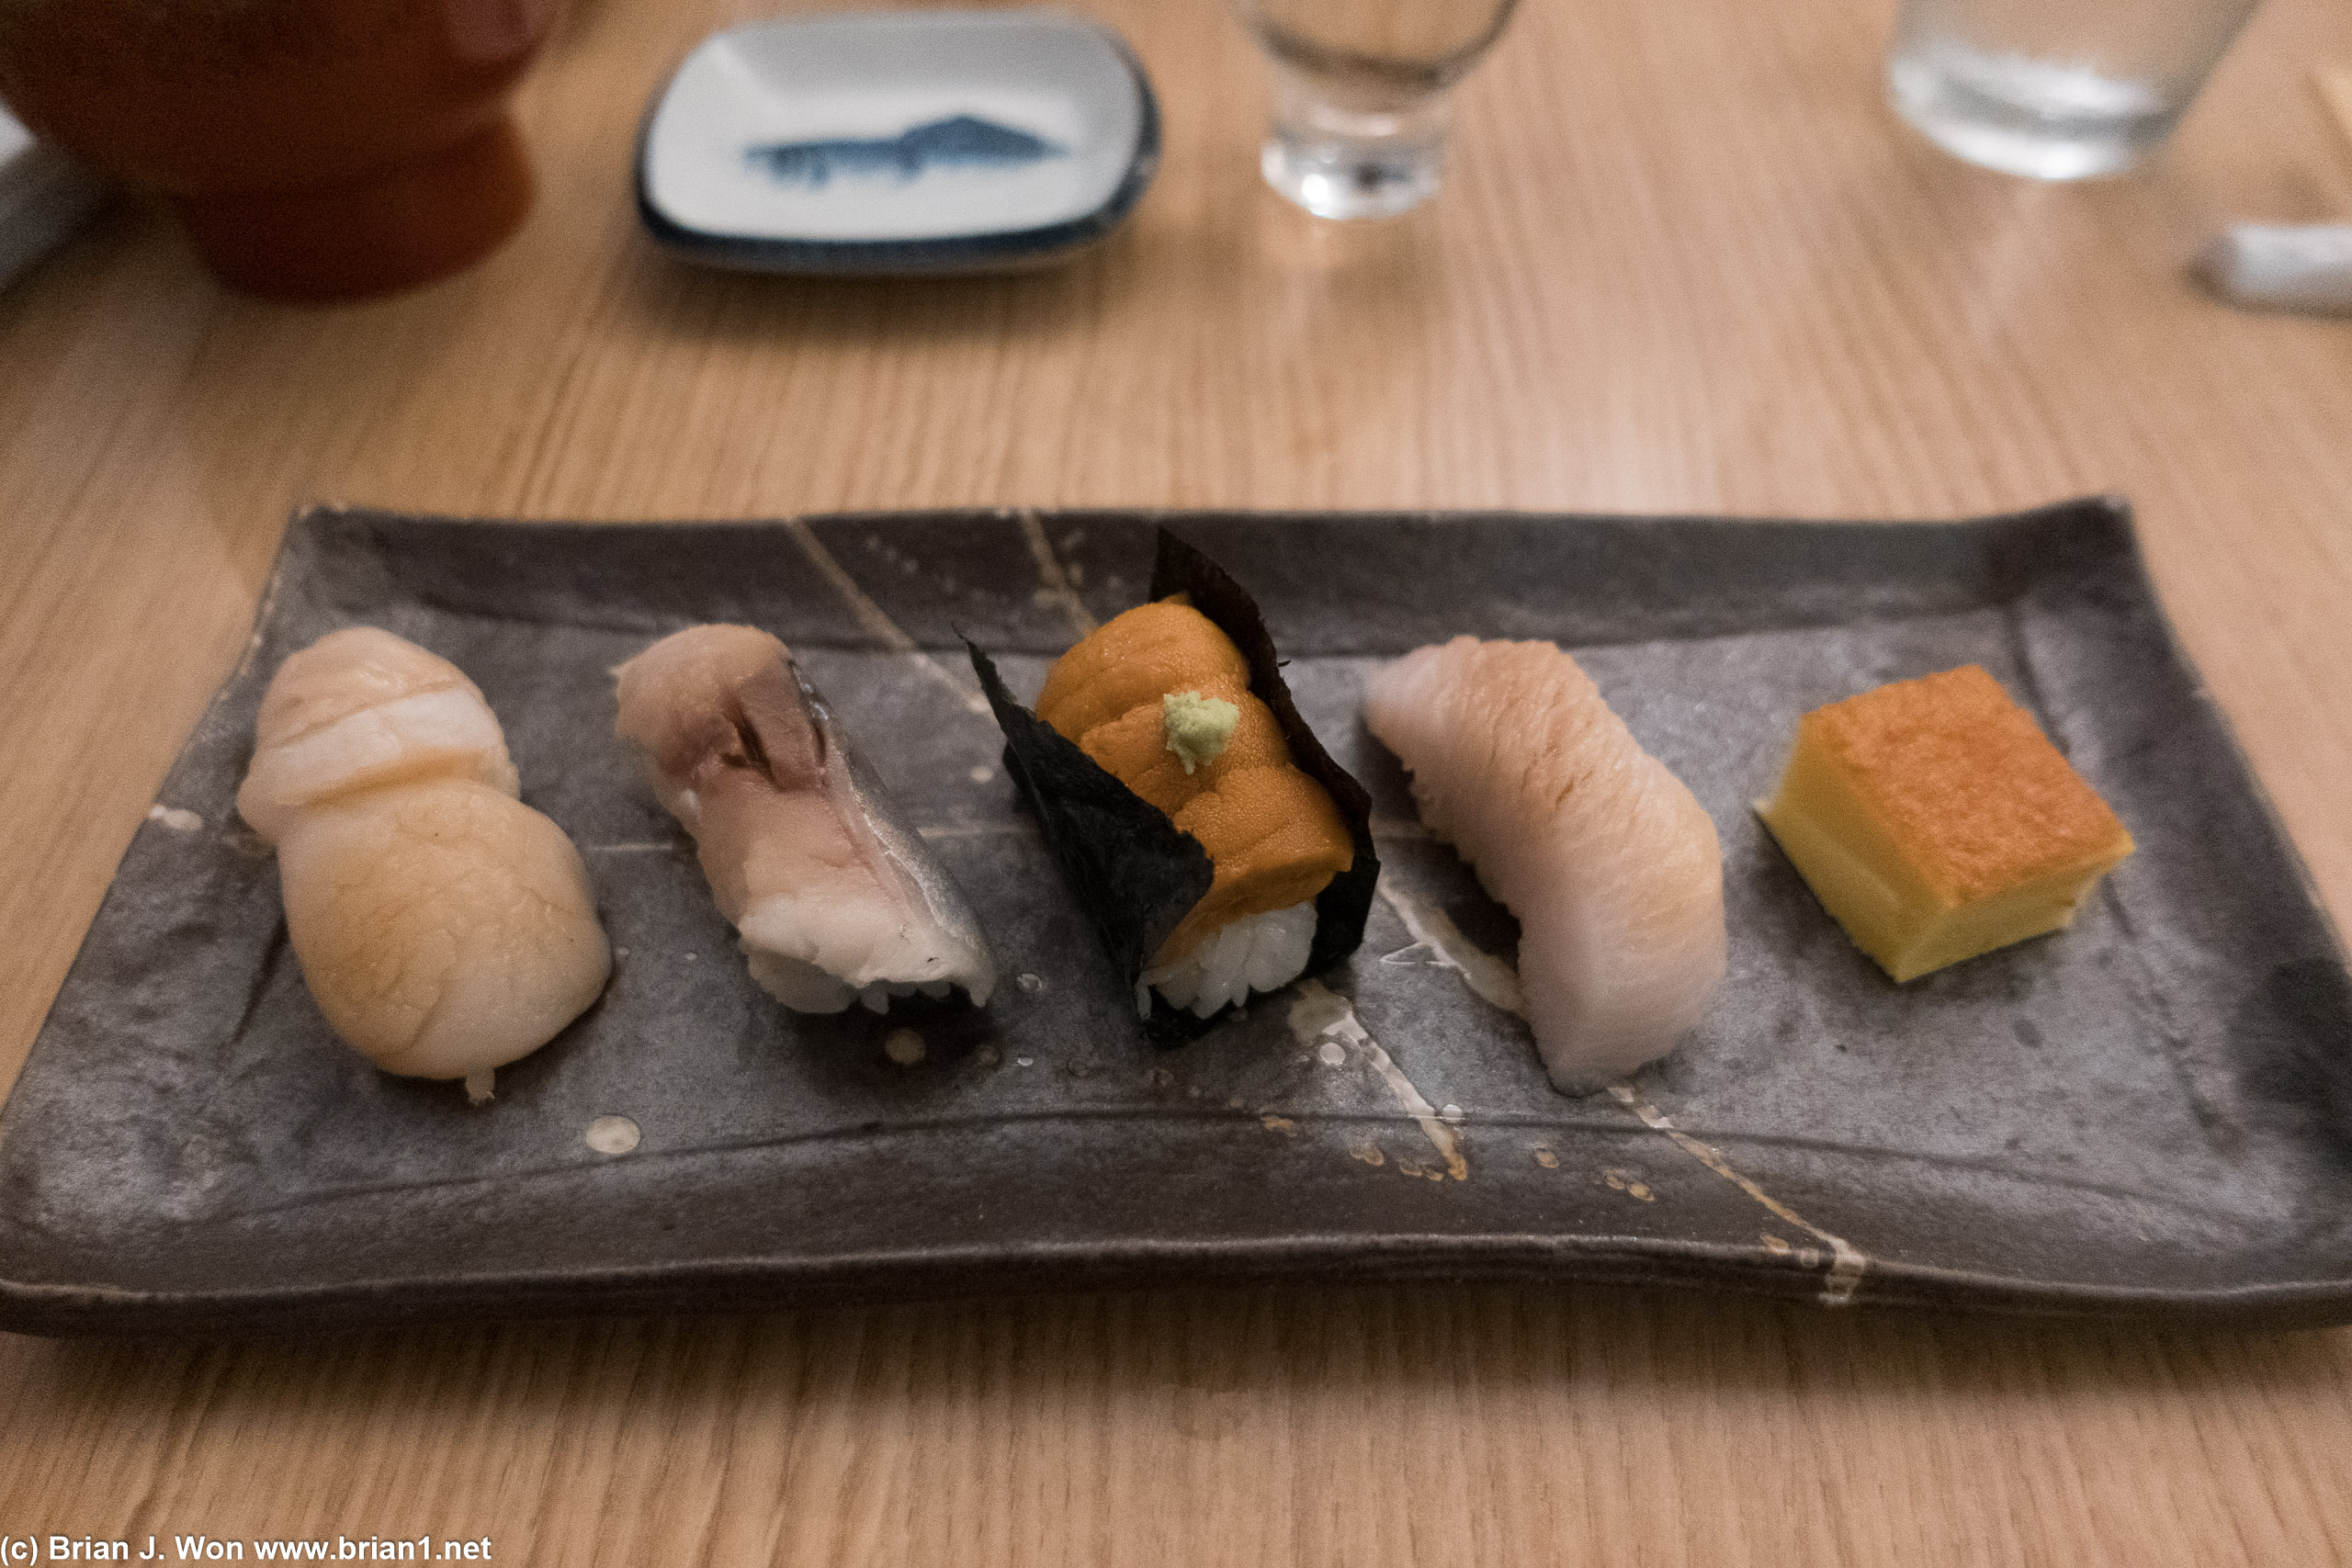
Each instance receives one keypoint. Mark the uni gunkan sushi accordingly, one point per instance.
(836, 899)
(1220, 848)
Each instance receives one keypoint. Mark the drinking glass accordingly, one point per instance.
(2057, 89)
(1360, 95)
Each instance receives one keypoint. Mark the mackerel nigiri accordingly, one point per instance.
(836, 900)
(1610, 863)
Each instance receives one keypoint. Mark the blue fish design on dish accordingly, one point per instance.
(962, 140)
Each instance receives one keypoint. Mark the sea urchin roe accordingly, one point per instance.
(1133, 659)
(1159, 697)
(1198, 727)
(1133, 748)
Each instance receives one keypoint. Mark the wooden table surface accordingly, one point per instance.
(1686, 260)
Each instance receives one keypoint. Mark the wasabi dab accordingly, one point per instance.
(1199, 728)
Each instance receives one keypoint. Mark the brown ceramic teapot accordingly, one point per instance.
(314, 148)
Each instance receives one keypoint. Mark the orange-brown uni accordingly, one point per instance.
(1274, 837)
(1966, 781)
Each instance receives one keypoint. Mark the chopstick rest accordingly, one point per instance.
(2281, 266)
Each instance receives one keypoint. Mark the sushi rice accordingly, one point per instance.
(1257, 952)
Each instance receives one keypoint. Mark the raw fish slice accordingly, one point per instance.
(832, 893)
(360, 708)
(1612, 864)
(444, 927)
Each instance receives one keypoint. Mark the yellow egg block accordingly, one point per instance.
(1935, 821)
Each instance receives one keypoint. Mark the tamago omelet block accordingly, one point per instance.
(1935, 821)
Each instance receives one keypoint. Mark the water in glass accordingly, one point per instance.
(2058, 91)
(1360, 95)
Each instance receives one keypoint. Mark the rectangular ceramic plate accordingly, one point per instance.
(2152, 1112)
(895, 142)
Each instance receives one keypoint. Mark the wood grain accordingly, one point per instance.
(1686, 260)
(2334, 83)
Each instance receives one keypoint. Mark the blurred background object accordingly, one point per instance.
(890, 142)
(313, 149)
(2304, 267)
(1360, 95)
(44, 197)
(2333, 84)
(2057, 92)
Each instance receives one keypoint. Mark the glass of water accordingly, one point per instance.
(2058, 89)
(1361, 94)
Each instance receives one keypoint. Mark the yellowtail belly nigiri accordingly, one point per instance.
(1610, 863)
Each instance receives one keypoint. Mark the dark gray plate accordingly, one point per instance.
(2151, 1112)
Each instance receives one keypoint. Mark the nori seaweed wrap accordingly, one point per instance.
(1139, 873)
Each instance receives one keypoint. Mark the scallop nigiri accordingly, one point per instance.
(445, 928)
(835, 899)
(1610, 863)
